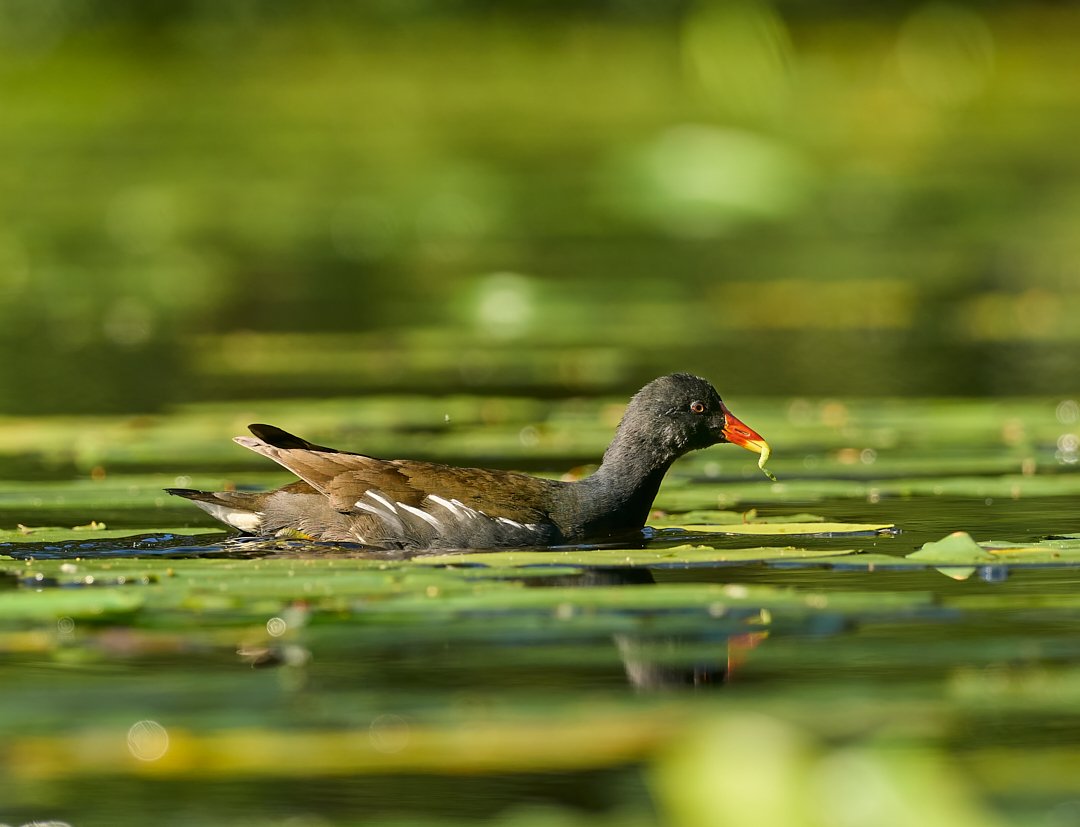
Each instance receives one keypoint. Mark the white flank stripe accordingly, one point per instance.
(423, 515)
(370, 509)
(472, 512)
(449, 506)
(375, 495)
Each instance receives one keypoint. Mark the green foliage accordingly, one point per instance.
(829, 231)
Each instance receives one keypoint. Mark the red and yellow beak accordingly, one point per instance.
(737, 433)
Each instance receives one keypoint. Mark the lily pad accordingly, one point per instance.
(716, 517)
(793, 529)
(74, 603)
(53, 534)
(958, 555)
(675, 496)
(1039, 553)
(713, 521)
(958, 547)
(679, 556)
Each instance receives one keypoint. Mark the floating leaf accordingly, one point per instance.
(678, 556)
(1038, 553)
(74, 603)
(958, 547)
(52, 534)
(675, 497)
(794, 529)
(957, 572)
(388, 744)
(715, 517)
(961, 549)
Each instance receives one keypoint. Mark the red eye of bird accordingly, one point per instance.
(697, 407)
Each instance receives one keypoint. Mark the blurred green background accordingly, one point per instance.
(215, 199)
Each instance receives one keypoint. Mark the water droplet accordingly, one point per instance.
(276, 627)
(505, 304)
(148, 740)
(1068, 412)
(1068, 449)
(389, 733)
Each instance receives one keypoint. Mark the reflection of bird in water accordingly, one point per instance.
(407, 504)
(651, 662)
(655, 663)
(665, 662)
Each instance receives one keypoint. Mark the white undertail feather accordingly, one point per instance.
(250, 522)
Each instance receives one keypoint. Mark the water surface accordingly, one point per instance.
(301, 684)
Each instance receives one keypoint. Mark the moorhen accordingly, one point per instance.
(408, 504)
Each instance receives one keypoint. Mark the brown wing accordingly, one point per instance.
(346, 478)
(507, 494)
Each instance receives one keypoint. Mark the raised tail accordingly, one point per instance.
(272, 435)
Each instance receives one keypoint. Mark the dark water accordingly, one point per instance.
(903, 675)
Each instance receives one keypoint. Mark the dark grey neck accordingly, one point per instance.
(618, 497)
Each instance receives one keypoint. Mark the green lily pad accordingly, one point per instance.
(713, 521)
(958, 547)
(53, 534)
(1038, 553)
(679, 556)
(75, 603)
(715, 517)
(676, 496)
(794, 529)
(192, 592)
(953, 556)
